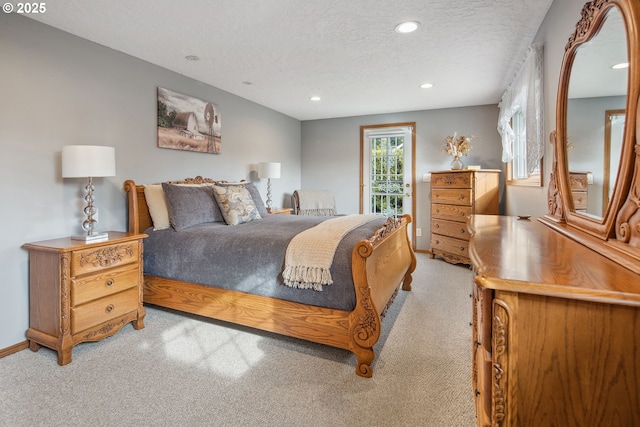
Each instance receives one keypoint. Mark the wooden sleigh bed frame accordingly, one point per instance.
(379, 266)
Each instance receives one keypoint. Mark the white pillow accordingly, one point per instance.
(157, 204)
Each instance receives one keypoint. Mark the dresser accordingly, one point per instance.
(556, 329)
(454, 196)
(578, 184)
(82, 292)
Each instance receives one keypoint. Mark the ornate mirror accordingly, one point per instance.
(593, 172)
(595, 86)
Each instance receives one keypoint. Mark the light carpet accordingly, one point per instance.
(186, 370)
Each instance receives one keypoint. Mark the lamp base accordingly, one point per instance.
(95, 237)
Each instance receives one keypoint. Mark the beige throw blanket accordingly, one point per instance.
(310, 253)
(316, 202)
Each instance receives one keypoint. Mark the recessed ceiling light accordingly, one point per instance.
(620, 66)
(192, 58)
(407, 27)
(426, 85)
(315, 98)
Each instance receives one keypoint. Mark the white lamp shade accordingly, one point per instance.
(269, 170)
(84, 161)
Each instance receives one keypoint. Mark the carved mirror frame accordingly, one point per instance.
(616, 234)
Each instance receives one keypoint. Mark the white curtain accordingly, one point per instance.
(524, 94)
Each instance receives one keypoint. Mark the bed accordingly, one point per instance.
(378, 266)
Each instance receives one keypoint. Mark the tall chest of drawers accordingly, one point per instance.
(578, 184)
(82, 292)
(454, 196)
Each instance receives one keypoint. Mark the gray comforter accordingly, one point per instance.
(250, 258)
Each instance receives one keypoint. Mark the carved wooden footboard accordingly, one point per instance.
(380, 265)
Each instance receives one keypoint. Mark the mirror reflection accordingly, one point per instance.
(596, 87)
(613, 136)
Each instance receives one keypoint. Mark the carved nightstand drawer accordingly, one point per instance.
(97, 285)
(95, 259)
(102, 310)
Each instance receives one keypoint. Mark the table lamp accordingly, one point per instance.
(269, 170)
(88, 161)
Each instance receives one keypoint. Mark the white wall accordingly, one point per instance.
(57, 89)
(331, 152)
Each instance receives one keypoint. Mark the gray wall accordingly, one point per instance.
(57, 89)
(331, 152)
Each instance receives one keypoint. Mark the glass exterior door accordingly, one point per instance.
(386, 178)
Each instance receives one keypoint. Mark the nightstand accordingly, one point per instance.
(285, 211)
(82, 292)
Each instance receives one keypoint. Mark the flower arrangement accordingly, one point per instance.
(457, 145)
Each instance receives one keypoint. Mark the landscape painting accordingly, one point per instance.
(187, 123)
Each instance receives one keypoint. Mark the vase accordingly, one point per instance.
(456, 164)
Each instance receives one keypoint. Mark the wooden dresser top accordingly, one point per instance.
(523, 255)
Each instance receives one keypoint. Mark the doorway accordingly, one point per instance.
(387, 164)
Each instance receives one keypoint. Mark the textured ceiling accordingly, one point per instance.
(345, 51)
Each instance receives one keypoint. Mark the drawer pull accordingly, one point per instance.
(462, 230)
(110, 308)
(461, 248)
(437, 225)
(110, 282)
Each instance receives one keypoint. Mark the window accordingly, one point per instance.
(520, 123)
(517, 171)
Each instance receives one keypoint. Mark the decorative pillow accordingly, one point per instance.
(236, 204)
(190, 205)
(157, 205)
(255, 195)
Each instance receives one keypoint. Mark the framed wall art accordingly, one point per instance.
(187, 123)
